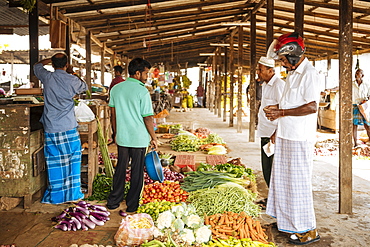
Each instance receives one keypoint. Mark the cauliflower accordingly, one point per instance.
(178, 210)
(187, 236)
(177, 225)
(165, 220)
(192, 220)
(203, 234)
(157, 233)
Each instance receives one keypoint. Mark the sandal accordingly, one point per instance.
(304, 238)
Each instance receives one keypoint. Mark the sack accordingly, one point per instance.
(129, 235)
(365, 110)
(83, 113)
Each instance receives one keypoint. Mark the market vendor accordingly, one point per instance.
(360, 94)
(62, 141)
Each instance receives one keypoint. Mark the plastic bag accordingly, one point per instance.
(83, 113)
(129, 236)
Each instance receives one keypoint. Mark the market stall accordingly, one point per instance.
(185, 202)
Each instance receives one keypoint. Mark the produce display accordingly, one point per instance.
(225, 197)
(154, 208)
(197, 180)
(211, 206)
(245, 242)
(239, 226)
(102, 185)
(81, 215)
(180, 226)
(189, 142)
(240, 171)
(166, 191)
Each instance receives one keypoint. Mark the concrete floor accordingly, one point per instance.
(32, 227)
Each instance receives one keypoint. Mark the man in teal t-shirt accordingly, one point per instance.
(133, 131)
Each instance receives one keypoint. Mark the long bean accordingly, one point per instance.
(227, 197)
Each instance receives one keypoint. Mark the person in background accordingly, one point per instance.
(200, 95)
(62, 141)
(272, 89)
(2, 93)
(117, 76)
(290, 198)
(132, 122)
(258, 96)
(360, 93)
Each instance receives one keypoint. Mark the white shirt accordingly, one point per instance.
(271, 95)
(360, 93)
(302, 86)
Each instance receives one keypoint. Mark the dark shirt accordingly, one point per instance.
(115, 81)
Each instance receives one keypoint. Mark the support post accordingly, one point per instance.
(231, 64)
(252, 84)
(102, 63)
(225, 84)
(299, 16)
(88, 60)
(269, 23)
(240, 80)
(345, 106)
(33, 22)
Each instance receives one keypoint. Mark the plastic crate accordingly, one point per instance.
(185, 160)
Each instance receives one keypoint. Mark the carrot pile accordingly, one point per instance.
(239, 226)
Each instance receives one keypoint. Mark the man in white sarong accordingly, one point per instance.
(290, 198)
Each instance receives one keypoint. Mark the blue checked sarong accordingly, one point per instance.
(63, 160)
(358, 119)
(290, 198)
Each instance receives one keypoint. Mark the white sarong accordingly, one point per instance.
(290, 198)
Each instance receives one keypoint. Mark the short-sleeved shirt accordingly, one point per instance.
(360, 93)
(271, 95)
(132, 103)
(115, 81)
(302, 87)
(59, 90)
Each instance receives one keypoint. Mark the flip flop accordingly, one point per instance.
(304, 238)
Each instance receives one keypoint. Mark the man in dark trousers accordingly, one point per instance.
(272, 89)
(132, 122)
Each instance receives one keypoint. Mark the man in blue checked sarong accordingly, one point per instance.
(360, 94)
(62, 141)
(290, 198)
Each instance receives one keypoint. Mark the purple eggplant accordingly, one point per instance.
(62, 215)
(76, 222)
(101, 212)
(98, 216)
(62, 227)
(122, 213)
(96, 221)
(83, 210)
(81, 203)
(89, 223)
(101, 208)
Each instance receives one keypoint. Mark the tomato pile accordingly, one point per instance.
(166, 191)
